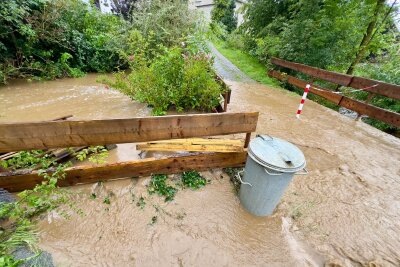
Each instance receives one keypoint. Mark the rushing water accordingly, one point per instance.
(346, 212)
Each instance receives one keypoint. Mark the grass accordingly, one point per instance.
(252, 67)
(257, 71)
(246, 63)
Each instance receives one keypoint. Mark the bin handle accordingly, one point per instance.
(262, 137)
(305, 172)
(240, 179)
(271, 173)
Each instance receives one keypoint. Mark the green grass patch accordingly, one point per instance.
(246, 63)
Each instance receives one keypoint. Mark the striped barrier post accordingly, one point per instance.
(303, 99)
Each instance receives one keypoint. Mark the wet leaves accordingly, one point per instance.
(193, 180)
(158, 184)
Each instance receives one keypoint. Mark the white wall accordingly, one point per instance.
(206, 6)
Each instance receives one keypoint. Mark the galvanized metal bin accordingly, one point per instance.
(270, 166)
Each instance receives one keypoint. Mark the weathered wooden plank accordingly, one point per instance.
(204, 141)
(373, 86)
(12, 154)
(387, 116)
(335, 98)
(194, 145)
(329, 76)
(384, 115)
(43, 135)
(145, 167)
(379, 88)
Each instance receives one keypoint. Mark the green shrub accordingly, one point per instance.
(54, 39)
(168, 22)
(224, 12)
(176, 79)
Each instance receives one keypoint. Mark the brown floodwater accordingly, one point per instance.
(346, 212)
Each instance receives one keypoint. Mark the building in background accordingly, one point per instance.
(205, 7)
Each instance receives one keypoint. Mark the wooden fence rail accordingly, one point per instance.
(381, 88)
(56, 134)
(40, 135)
(144, 167)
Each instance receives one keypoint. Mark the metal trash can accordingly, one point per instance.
(270, 166)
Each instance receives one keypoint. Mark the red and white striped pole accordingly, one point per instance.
(303, 99)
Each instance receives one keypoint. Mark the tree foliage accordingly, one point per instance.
(57, 38)
(123, 7)
(325, 34)
(224, 12)
(338, 35)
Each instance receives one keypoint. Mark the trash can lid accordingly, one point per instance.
(276, 154)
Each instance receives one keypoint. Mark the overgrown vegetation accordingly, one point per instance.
(168, 58)
(26, 159)
(95, 154)
(342, 36)
(17, 218)
(223, 13)
(176, 78)
(60, 38)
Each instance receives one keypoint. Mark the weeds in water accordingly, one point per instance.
(27, 159)
(233, 174)
(93, 196)
(141, 203)
(107, 200)
(161, 211)
(193, 180)
(19, 216)
(158, 184)
(153, 220)
(97, 154)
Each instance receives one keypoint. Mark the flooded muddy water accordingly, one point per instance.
(346, 212)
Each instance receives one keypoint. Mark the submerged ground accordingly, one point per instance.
(345, 212)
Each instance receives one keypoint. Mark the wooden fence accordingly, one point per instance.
(368, 85)
(44, 135)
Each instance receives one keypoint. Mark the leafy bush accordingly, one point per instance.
(176, 79)
(51, 39)
(167, 22)
(20, 215)
(224, 12)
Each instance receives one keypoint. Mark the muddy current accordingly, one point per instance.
(346, 212)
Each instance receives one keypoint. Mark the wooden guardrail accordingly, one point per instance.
(56, 134)
(379, 88)
(144, 167)
(371, 86)
(41, 135)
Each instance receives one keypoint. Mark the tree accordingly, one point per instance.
(123, 7)
(369, 34)
(224, 12)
